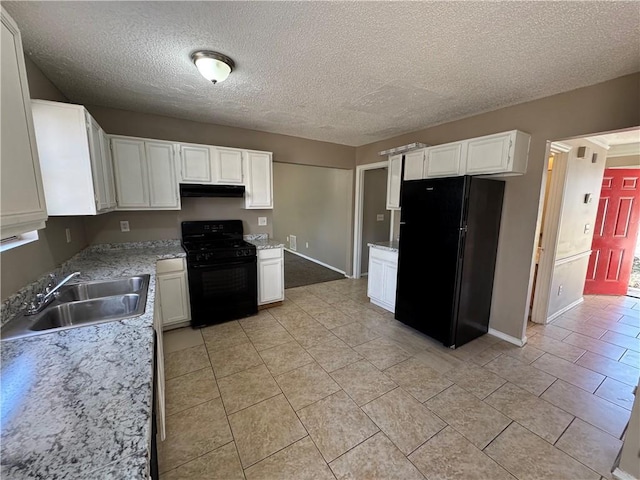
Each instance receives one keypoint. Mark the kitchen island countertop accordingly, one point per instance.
(78, 403)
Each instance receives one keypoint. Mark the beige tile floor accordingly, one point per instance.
(330, 386)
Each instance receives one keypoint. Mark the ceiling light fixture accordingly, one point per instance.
(213, 66)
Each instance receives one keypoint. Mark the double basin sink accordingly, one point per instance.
(81, 304)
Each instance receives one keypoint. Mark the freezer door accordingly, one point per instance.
(431, 219)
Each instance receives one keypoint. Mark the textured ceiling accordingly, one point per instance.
(344, 72)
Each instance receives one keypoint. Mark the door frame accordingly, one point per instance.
(357, 220)
(551, 227)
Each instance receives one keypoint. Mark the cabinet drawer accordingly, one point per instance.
(266, 253)
(385, 255)
(170, 265)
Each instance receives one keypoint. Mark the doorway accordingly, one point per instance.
(371, 200)
(569, 215)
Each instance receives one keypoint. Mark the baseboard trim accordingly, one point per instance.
(622, 475)
(174, 326)
(382, 305)
(507, 338)
(317, 261)
(565, 309)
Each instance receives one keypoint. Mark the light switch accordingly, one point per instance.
(262, 221)
(587, 198)
(380, 217)
(587, 228)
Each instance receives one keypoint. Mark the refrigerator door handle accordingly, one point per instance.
(462, 229)
(403, 223)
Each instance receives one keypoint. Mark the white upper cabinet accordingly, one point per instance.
(394, 180)
(145, 174)
(259, 180)
(163, 186)
(132, 183)
(227, 166)
(76, 173)
(445, 160)
(414, 165)
(22, 198)
(195, 164)
(110, 184)
(503, 153)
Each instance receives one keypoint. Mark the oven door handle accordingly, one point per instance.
(220, 264)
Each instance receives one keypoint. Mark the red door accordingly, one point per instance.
(614, 235)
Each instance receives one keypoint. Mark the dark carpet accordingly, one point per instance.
(299, 271)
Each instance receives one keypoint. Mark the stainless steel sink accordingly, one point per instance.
(82, 304)
(105, 288)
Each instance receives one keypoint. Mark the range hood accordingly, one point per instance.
(198, 190)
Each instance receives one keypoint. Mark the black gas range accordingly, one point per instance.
(222, 268)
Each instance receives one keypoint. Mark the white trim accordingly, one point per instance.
(622, 475)
(572, 258)
(357, 220)
(380, 304)
(559, 147)
(402, 149)
(318, 262)
(20, 240)
(600, 143)
(565, 309)
(624, 150)
(548, 247)
(507, 338)
(173, 326)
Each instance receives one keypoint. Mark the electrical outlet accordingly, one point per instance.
(287, 238)
(587, 228)
(124, 225)
(262, 221)
(560, 290)
(67, 232)
(306, 244)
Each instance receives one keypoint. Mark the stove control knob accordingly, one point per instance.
(238, 253)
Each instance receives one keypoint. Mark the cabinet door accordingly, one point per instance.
(160, 387)
(414, 165)
(174, 297)
(195, 163)
(110, 186)
(488, 154)
(270, 280)
(163, 187)
(130, 173)
(259, 181)
(228, 166)
(444, 161)
(394, 181)
(390, 273)
(96, 153)
(375, 281)
(22, 201)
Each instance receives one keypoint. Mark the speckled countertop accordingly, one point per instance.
(262, 241)
(391, 246)
(77, 403)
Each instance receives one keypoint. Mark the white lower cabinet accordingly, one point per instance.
(160, 387)
(270, 275)
(173, 289)
(382, 277)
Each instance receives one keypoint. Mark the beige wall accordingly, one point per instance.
(579, 176)
(629, 161)
(27, 263)
(608, 106)
(285, 148)
(316, 205)
(374, 203)
(630, 454)
(161, 225)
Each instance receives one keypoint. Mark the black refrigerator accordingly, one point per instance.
(449, 231)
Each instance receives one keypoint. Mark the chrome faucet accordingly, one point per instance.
(44, 299)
